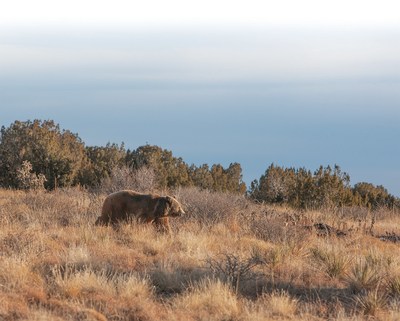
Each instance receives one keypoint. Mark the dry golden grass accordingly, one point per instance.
(228, 259)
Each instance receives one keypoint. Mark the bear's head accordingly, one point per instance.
(168, 206)
(174, 207)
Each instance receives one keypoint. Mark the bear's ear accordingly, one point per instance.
(169, 199)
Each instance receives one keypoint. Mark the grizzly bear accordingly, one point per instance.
(129, 205)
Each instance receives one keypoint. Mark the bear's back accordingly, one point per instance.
(124, 202)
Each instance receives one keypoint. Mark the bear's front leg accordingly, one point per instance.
(162, 224)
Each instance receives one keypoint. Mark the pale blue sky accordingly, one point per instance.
(298, 92)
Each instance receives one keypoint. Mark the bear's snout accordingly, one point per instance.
(179, 213)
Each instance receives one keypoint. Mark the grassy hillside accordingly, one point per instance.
(228, 259)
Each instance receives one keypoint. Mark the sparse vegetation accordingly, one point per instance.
(297, 246)
(217, 265)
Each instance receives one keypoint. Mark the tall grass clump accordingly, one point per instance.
(372, 302)
(393, 285)
(364, 276)
(208, 299)
(210, 208)
(280, 304)
(332, 261)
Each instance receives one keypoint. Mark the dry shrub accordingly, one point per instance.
(28, 179)
(47, 209)
(240, 216)
(233, 269)
(209, 208)
(354, 213)
(270, 229)
(273, 228)
(141, 180)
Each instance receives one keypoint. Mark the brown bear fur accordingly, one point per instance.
(129, 205)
